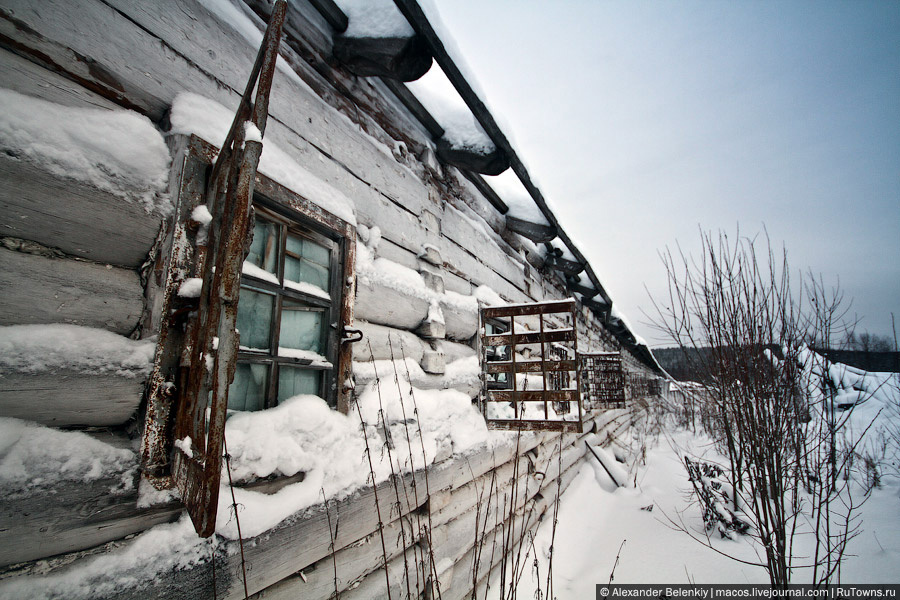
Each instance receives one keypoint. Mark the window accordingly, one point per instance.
(295, 299)
(531, 378)
(560, 380)
(603, 380)
(286, 315)
(496, 381)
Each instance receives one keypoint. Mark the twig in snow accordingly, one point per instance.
(612, 574)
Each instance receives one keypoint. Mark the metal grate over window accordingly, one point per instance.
(603, 380)
(531, 375)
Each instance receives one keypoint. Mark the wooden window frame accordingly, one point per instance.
(545, 365)
(290, 225)
(180, 256)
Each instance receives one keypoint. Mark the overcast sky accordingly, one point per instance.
(644, 121)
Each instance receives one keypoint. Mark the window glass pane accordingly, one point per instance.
(254, 318)
(301, 327)
(293, 381)
(248, 390)
(307, 261)
(264, 248)
(496, 352)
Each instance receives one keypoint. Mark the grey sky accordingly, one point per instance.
(643, 120)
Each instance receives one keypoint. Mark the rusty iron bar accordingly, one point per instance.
(544, 366)
(536, 308)
(532, 395)
(532, 337)
(230, 192)
(530, 366)
(512, 354)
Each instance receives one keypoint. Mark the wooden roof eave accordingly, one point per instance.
(419, 22)
(338, 21)
(401, 58)
(535, 232)
(417, 19)
(332, 13)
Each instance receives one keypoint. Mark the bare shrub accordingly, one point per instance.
(772, 416)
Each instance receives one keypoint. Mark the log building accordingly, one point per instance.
(148, 319)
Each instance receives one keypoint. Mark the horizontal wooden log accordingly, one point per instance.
(74, 516)
(401, 58)
(493, 162)
(38, 289)
(381, 338)
(385, 305)
(349, 565)
(63, 398)
(426, 381)
(470, 246)
(75, 217)
(459, 324)
(535, 232)
(26, 77)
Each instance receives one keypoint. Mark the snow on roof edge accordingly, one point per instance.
(195, 114)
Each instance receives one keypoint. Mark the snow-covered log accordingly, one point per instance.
(45, 524)
(382, 304)
(65, 375)
(380, 338)
(18, 73)
(38, 289)
(73, 216)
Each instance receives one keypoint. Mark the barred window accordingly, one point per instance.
(531, 375)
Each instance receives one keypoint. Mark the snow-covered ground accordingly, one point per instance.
(605, 532)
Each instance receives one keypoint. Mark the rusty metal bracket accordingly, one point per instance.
(351, 336)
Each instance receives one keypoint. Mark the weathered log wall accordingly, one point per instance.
(349, 132)
(461, 488)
